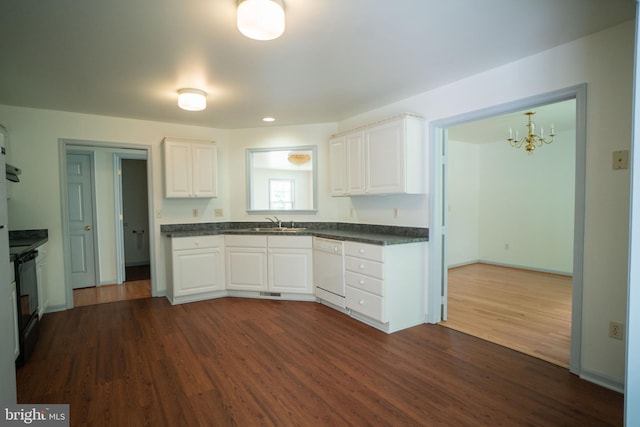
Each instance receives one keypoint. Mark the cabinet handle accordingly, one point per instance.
(362, 282)
(335, 249)
(361, 302)
(361, 251)
(361, 266)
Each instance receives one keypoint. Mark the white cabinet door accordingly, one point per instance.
(197, 271)
(177, 169)
(356, 183)
(338, 166)
(14, 305)
(385, 158)
(190, 169)
(290, 270)
(246, 268)
(205, 160)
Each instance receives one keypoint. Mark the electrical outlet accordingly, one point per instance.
(219, 212)
(350, 212)
(195, 212)
(158, 213)
(621, 159)
(616, 329)
(395, 212)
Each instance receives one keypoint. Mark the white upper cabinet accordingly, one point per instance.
(384, 158)
(338, 162)
(190, 169)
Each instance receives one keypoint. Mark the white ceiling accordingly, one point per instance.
(336, 59)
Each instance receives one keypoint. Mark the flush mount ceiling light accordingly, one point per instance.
(261, 19)
(192, 99)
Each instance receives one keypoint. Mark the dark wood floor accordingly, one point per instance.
(245, 362)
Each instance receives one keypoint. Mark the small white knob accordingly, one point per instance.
(361, 251)
(335, 249)
(361, 267)
(361, 302)
(362, 282)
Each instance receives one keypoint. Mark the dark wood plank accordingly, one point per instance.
(246, 362)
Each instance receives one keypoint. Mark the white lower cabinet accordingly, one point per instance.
(246, 263)
(197, 269)
(385, 284)
(278, 264)
(290, 264)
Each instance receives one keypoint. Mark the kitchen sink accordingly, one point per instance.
(276, 229)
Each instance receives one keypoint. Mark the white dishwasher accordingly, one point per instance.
(328, 270)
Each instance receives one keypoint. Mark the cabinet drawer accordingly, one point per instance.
(363, 250)
(246, 241)
(363, 266)
(195, 242)
(365, 303)
(365, 283)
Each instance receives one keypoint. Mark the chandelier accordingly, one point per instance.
(531, 140)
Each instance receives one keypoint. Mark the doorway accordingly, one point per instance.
(109, 220)
(438, 282)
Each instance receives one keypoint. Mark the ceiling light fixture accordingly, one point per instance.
(298, 159)
(261, 19)
(268, 119)
(192, 99)
(531, 141)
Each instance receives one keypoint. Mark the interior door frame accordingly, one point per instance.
(437, 291)
(63, 147)
(65, 214)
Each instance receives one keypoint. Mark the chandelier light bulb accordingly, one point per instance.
(192, 99)
(261, 19)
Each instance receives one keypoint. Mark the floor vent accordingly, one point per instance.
(270, 294)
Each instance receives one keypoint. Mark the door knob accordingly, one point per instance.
(88, 228)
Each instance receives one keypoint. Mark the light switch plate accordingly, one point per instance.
(621, 159)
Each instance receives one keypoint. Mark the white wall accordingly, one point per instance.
(463, 207)
(605, 62)
(527, 203)
(508, 207)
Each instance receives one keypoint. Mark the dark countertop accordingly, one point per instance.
(364, 233)
(23, 241)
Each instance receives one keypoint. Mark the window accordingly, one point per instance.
(281, 194)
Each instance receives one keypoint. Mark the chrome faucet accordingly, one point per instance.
(276, 221)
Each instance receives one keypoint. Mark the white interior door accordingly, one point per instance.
(81, 220)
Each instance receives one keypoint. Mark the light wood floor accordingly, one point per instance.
(250, 362)
(110, 293)
(523, 310)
